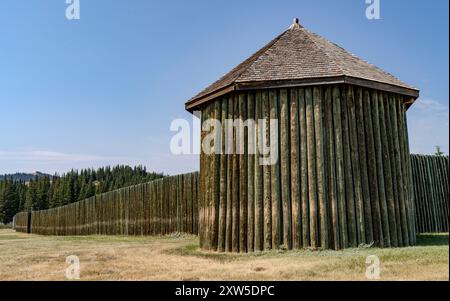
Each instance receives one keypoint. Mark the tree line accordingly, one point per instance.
(49, 192)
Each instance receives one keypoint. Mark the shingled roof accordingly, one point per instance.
(300, 57)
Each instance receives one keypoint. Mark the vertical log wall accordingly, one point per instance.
(342, 177)
(430, 182)
(159, 207)
(21, 222)
(145, 210)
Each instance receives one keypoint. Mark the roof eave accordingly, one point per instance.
(372, 84)
(411, 93)
(195, 102)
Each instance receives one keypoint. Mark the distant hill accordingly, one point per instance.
(26, 177)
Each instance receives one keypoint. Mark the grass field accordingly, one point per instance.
(33, 257)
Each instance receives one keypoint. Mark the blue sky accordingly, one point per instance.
(104, 89)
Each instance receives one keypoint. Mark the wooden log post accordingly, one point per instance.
(295, 171)
(285, 169)
(349, 189)
(439, 185)
(215, 181)
(235, 182)
(320, 164)
(230, 159)
(251, 144)
(196, 197)
(306, 241)
(223, 178)
(331, 170)
(243, 178)
(174, 213)
(202, 187)
(443, 193)
(312, 170)
(267, 173)
(430, 193)
(155, 209)
(207, 189)
(189, 205)
(275, 172)
(340, 176)
(445, 176)
(420, 196)
(410, 179)
(259, 190)
(406, 170)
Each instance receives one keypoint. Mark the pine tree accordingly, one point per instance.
(10, 204)
(31, 196)
(438, 152)
(43, 192)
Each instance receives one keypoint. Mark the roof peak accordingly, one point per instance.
(298, 56)
(295, 24)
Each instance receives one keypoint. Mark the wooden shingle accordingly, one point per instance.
(299, 57)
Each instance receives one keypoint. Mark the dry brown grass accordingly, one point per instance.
(33, 257)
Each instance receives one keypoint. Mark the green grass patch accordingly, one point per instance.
(432, 239)
(430, 247)
(193, 250)
(11, 237)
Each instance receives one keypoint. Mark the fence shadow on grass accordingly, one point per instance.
(435, 239)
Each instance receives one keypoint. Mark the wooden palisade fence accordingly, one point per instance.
(430, 178)
(163, 206)
(342, 178)
(170, 205)
(20, 222)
